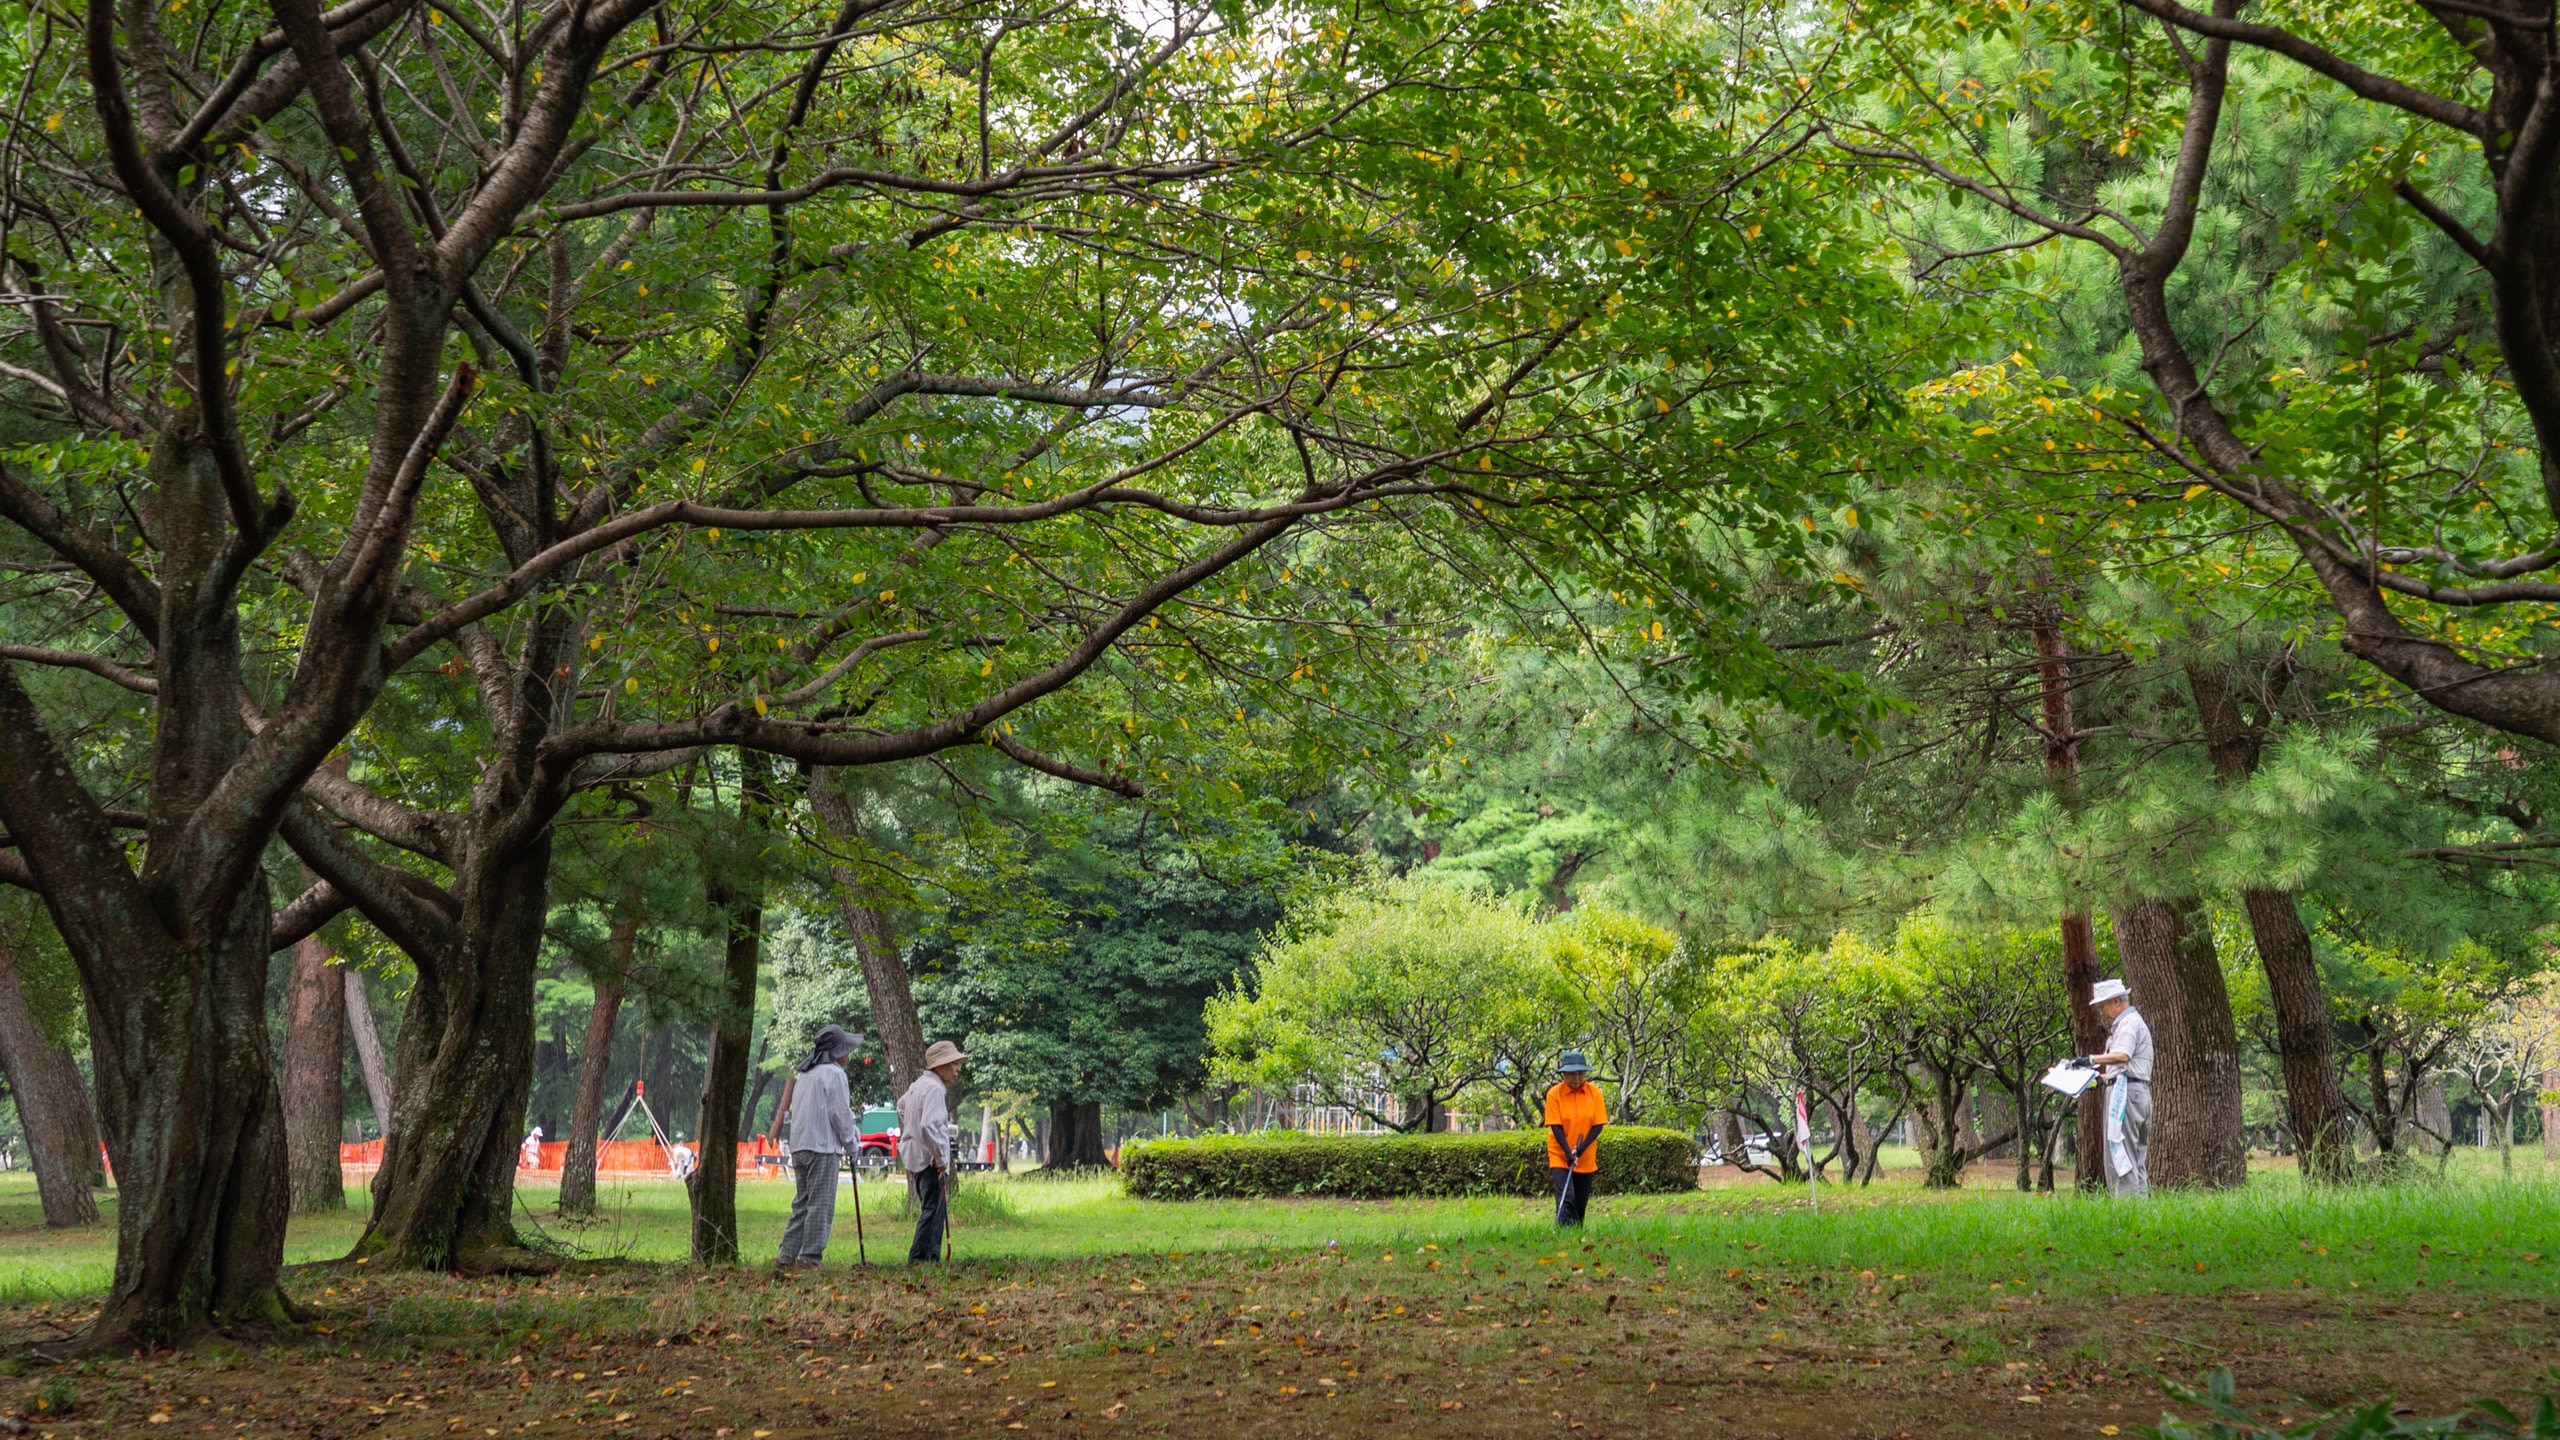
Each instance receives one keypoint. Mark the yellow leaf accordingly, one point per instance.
(760, 705)
(2194, 490)
(698, 463)
(714, 644)
(987, 669)
(1849, 517)
(1661, 406)
(632, 685)
(888, 595)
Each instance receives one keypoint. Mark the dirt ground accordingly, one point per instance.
(1605, 1340)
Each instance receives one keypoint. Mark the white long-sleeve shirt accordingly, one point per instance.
(924, 1124)
(822, 1120)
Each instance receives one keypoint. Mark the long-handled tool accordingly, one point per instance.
(861, 1247)
(1564, 1187)
(950, 1179)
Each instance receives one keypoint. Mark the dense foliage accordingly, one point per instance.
(1637, 1161)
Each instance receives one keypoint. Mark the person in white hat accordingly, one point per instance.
(2126, 1067)
(924, 1144)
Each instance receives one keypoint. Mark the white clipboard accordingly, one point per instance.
(2068, 1080)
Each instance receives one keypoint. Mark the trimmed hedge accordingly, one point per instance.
(1633, 1160)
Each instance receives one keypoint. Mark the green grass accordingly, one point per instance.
(2473, 1229)
(1893, 1309)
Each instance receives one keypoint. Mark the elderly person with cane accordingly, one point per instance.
(1575, 1116)
(924, 1144)
(820, 1099)
(2125, 1066)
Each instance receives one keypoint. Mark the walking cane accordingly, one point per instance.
(861, 1248)
(950, 1179)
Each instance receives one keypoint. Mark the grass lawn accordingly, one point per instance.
(1894, 1313)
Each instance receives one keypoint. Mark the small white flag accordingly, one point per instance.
(1804, 1122)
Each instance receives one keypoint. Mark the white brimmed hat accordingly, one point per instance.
(2107, 990)
(941, 1053)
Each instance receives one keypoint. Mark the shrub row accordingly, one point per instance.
(1633, 1160)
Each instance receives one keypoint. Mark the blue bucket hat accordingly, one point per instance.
(1573, 1064)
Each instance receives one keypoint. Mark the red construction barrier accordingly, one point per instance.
(630, 1158)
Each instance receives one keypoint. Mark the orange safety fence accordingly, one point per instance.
(613, 1157)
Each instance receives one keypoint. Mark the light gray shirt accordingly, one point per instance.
(822, 1120)
(2131, 1035)
(924, 1124)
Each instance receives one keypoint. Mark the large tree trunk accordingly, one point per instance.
(595, 1061)
(2079, 939)
(714, 1182)
(1075, 1136)
(893, 1000)
(314, 1077)
(53, 1106)
(875, 944)
(442, 1198)
(367, 1041)
(196, 1136)
(2197, 1138)
(174, 958)
(2315, 1105)
(2435, 1119)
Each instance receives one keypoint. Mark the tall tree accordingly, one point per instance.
(313, 1082)
(1107, 1006)
(595, 1061)
(2314, 1106)
(44, 1083)
(736, 891)
(2299, 450)
(2197, 1138)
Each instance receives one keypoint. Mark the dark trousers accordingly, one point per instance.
(933, 1213)
(1572, 1190)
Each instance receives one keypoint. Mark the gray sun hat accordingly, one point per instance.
(833, 1043)
(1573, 1064)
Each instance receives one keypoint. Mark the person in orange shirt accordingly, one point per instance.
(1575, 1117)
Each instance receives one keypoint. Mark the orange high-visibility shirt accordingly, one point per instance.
(1578, 1114)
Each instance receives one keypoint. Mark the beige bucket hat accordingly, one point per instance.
(941, 1053)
